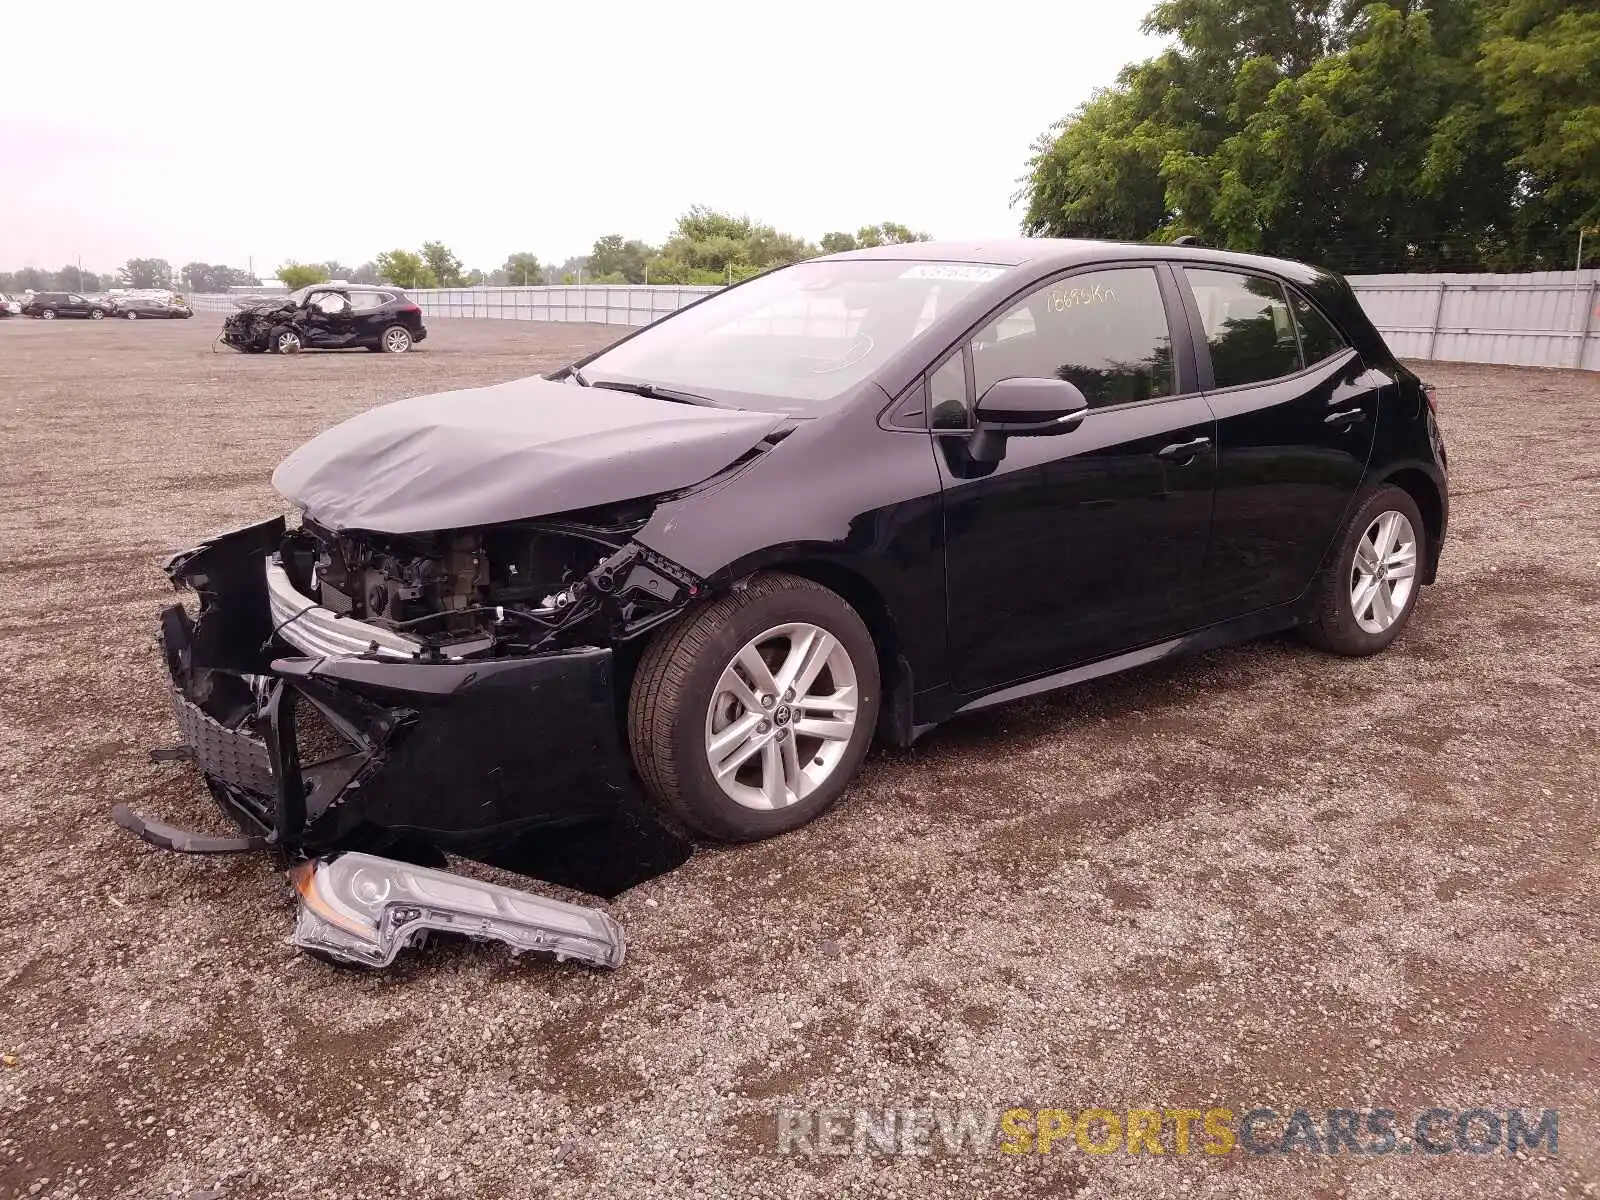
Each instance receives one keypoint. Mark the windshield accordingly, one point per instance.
(803, 336)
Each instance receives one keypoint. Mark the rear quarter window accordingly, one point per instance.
(1318, 338)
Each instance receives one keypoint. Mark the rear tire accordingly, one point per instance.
(48, 314)
(395, 340)
(806, 665)
(1369, 587)
(133, 316)
(96, 314)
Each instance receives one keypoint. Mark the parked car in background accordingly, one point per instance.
(48, 306)
(161, 305)
(9, 307)
(327, 317)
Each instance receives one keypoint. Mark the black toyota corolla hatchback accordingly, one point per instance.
(681, 585)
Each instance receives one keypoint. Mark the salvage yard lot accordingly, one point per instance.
(1258, 877)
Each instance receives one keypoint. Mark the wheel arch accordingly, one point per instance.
(895, 718)
(1430, 500)
(858, 591)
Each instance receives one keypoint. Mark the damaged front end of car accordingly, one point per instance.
(249, 330)
(382, 701)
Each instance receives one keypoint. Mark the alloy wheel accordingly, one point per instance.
(397, 341)
(781, 717)
(288, 342)
(1384, 571)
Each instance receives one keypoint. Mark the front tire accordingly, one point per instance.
(1368, 589)
(284, 341)
(749, 717)
(133, 316)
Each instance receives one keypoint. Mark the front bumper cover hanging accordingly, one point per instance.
(350, 768)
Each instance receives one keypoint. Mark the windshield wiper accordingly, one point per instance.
(655, 393)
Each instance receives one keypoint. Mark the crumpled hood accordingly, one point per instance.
(522, 449)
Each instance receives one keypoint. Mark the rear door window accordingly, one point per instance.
(1247, 326)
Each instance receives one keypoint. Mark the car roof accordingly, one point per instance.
(1051, 253)
(359, 287)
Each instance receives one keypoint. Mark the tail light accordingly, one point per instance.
(1429, 393)
(410, 308)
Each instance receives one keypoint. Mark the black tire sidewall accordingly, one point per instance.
(1385, 498)
(710, 807)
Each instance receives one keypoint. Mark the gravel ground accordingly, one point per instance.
(1258, 877)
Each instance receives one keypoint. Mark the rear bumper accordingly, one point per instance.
(515, 762)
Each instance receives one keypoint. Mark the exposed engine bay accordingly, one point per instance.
(516, 588)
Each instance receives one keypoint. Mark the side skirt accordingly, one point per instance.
(1224, 633)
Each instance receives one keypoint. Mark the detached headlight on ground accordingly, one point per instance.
(362, 909)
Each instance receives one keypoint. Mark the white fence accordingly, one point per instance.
(1545, 319)
(609, 304)
(1548, 319)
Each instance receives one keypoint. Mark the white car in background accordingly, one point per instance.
(9, 307)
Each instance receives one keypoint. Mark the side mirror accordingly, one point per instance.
(1024, 408)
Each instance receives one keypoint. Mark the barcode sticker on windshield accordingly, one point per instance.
(970, 272)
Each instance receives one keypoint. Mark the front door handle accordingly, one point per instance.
(1347, 418)
(1182, 452)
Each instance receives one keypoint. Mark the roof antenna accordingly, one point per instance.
(1188, 239)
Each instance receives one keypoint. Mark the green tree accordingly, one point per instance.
(523, 268)
(296, 275)
(31, 279)
(367, 273)
(146, 273)
(215, 277)
(708, 246)
(1540, 68)
(887, 233)
(1403, 134)
(624, 261)
(446, 267)
(405, 269)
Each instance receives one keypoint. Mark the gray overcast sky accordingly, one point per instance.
(226, 131)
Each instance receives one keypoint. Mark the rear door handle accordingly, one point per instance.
(1349, 416)
(1182, 452)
